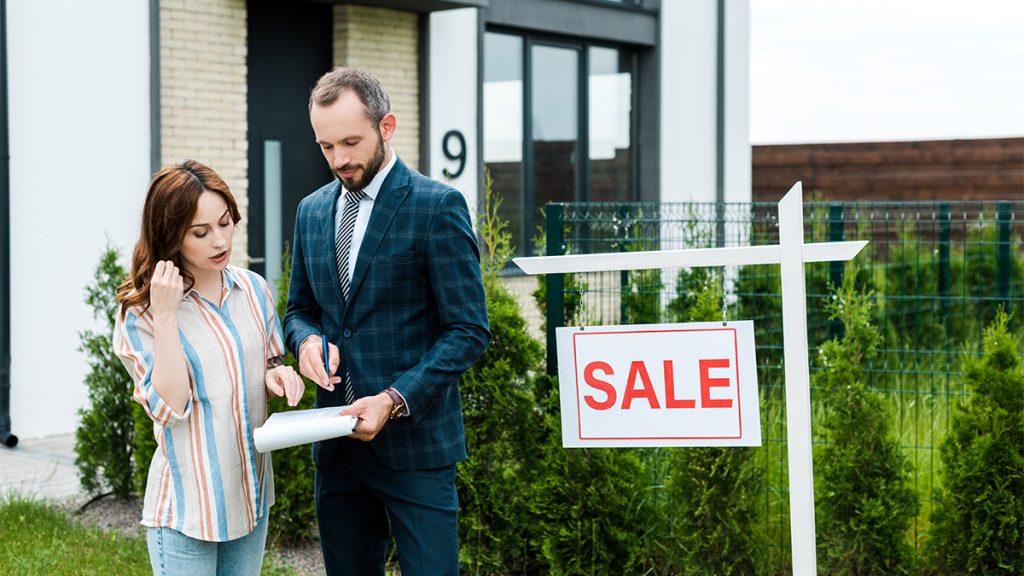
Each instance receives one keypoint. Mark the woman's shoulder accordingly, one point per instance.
(134, 311)
(129, 320)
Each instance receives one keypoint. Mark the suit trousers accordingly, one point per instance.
(360, 502)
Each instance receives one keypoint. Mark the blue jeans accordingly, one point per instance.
(171, 553)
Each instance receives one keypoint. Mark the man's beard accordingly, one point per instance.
(370, 169)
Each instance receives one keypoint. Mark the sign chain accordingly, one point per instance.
(579, 310)
(724, 305)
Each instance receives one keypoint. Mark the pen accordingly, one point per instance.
(327, 357)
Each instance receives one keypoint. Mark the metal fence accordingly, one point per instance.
(938, 273)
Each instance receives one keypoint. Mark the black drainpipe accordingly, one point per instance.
(6, 438)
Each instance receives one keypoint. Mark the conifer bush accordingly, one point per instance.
(978, 516)
(104, 438)
(864, 503)
(588, 502)
(501, 422)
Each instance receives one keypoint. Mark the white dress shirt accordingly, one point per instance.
(365, 208)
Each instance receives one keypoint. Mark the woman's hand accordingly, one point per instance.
(166, 289)
(170, 372)
(284, 381)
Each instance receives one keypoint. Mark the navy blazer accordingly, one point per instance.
(416, 317)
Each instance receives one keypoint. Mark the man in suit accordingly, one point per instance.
(385, 264)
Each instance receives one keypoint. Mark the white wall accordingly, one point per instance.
(453, 96)
(80, 145)
(688, 100)
(738, 161)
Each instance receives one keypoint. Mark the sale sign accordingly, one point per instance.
(691, 384)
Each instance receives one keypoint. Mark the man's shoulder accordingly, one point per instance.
(405, 176)
(325, 194)
(419, 182)
(427, 189)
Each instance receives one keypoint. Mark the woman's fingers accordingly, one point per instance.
(166, 287)
(294, 387)
(284, 381)
(274, 383)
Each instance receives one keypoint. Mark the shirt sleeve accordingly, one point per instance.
(134, 344)
(275, 340)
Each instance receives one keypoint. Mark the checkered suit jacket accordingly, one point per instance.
(416, 317)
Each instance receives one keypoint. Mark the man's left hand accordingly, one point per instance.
(373, 413)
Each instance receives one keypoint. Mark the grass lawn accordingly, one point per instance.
(40, 539)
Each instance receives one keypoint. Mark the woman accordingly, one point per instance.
(203, 344)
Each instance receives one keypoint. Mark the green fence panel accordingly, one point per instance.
(938, 272)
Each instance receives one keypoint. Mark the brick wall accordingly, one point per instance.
(203, 93)
(982, 169)
(385, 43)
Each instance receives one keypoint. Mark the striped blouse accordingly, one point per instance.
(206, 479)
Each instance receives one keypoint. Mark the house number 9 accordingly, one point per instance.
(459, 155)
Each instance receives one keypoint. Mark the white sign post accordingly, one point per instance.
(791, 253)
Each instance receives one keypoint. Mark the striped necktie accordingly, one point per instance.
(343, 243)
(342, 247)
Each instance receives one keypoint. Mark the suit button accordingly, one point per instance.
(347, 333)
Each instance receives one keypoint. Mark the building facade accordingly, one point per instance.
(557, 100)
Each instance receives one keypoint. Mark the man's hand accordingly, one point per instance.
(311, 362)
(373, 413)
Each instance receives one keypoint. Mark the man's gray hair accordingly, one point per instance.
(366, 86)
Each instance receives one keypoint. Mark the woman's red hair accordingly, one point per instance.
(171, 204)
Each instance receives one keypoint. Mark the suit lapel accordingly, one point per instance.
(328, 233)
(392, 193)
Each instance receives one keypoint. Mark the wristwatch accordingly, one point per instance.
(399, 403)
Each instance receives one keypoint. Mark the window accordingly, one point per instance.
(503, 127)
(610, 126)
(558, 126)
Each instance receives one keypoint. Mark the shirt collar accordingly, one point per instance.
(374, 186)
(229, 277)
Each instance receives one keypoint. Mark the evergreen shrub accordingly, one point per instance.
(501, 422)
(864, 503)
(589, 505)
(978, 516)
(103, 440)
